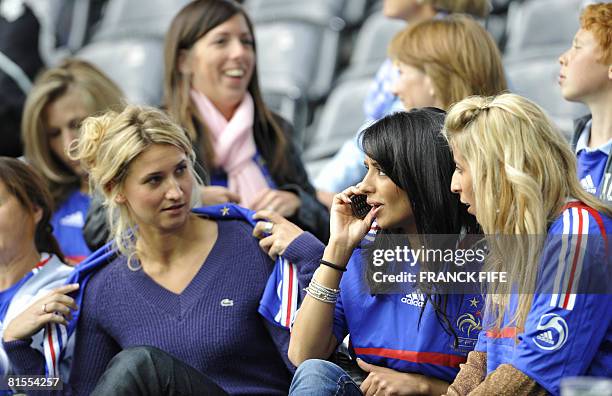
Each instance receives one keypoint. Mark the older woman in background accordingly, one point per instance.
(59, 100)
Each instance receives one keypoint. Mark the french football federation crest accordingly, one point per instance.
(468, 323)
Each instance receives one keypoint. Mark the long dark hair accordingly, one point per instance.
(30, 190)
(188, 26)
(410, 148)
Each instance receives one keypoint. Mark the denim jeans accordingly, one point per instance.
(151, 371)
(320, 377)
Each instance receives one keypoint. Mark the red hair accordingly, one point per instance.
(597, 19)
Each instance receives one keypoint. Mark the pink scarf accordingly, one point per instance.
(234, 146)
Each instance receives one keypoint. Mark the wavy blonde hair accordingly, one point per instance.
(98, 93)
(108, 145)
(523, 171)
(457, 53)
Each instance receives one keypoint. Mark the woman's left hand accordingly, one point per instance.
(275, 233)
(383, 381)
(55, 307)
(282, 202)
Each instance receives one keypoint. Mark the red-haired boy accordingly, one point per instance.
(586, 77)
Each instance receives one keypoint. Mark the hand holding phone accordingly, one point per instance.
(359, 206)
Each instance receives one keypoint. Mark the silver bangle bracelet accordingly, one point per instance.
(313, 282)
(321, 297)
(322, 293)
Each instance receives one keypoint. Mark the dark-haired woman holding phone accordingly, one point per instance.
(406, 341)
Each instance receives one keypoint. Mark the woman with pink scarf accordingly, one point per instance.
(211, 89)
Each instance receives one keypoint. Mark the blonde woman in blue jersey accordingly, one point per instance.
(553, 318)
(404, 342)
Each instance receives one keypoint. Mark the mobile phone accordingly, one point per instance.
(359, 206)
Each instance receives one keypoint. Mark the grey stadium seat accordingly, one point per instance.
(341, 118)
(315, 11)
(137, 18)
(318, 11)
(288, 101)
(300, 52)
(354, 11)
(371, 45)
(136, 65)
(536, 79)
(541, 23)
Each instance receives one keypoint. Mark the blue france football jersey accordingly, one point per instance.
(68, 222)
(591, 163)
(568, 331)
(385, 329)
(591, 168)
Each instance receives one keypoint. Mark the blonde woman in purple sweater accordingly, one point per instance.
(177, 309)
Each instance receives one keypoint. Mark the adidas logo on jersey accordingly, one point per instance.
(588, 185)
(73, 220)
(546, 337)
(416, 299)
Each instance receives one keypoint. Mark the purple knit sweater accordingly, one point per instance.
(228, 341)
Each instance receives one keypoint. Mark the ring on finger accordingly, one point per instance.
(44, 308)
(268, 226)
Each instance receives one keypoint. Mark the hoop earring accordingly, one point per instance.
(131, 267)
